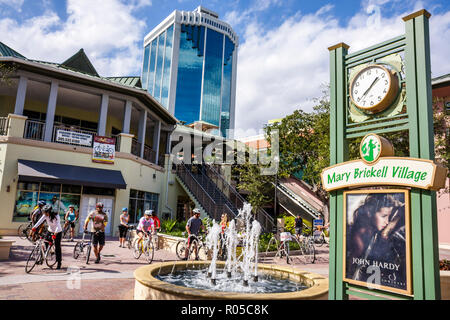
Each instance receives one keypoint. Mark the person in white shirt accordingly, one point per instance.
(54, 230)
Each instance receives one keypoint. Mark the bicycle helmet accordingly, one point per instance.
(99, 205)
(125, 209)
(148, 212)
(47, 208)
(71, 206)
(196, 211)
(41, 203)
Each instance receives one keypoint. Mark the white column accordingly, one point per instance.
(142, 128)
(51, 108)
(20, 97)
(127, 117)
(156, 139)
(103, 115)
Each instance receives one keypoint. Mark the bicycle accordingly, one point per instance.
(24, 230)
(144, 247)
(128, 239)
(66, 231)
(198, 242)
(180, 249)
(306, 243)
(320, 238)
(84, 247)
(43, 250)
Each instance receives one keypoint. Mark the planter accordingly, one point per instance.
(5, 246)
(445, 284)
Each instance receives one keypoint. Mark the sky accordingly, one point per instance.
(283, 61)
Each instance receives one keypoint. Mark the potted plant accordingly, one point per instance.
(5, 246)
(444, 266)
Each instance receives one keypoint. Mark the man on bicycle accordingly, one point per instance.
(35, 215)
(193, 227)
(71, 217)
(145, 226)
(99, 221)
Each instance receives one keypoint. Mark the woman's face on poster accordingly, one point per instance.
(382, 218)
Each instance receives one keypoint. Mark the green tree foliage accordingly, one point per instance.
(6, 70)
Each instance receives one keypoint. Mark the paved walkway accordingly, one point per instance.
(112, 278)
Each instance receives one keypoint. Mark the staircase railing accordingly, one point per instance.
(266, 221)
(198, 190)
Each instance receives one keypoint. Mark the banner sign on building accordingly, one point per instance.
(104, 149)
(71, 137)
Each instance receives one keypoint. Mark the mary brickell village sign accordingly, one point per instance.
(379, 201)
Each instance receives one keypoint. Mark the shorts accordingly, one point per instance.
(191, 238)
(298, 230)
(98, 238)
(72, 224)
(122, 231)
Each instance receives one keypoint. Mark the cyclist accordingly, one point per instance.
(123, 227)
(71, 217)
(35, 215)
(146, 226)
(99, 221)
(193, 227)
(54, 230)
(157, 223)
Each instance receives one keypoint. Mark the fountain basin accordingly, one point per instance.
(148, 287)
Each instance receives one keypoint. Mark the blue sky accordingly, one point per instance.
(283, 56)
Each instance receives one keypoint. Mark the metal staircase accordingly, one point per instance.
(213, 194)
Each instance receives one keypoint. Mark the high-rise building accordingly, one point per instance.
(190, 67)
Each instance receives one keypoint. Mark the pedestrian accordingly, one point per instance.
(298, 226)
(99, 221)
(123, 227)
(71, 217)
(193, 227)
(54, 230)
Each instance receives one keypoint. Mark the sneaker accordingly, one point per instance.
(98, 259)
(184, 259)
(58, 266)
(196, 258)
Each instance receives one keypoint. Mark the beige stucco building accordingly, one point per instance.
(50, 115)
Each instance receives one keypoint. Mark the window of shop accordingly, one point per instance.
(60, 196)
(141, 201)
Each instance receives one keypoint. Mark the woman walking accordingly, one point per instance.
(123, 227)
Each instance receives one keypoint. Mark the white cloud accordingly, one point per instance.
(109, 33)
(15, 4)
(283, 69)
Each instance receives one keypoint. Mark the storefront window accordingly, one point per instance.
(29, 193)
(141, 201)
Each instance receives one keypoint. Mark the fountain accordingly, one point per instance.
(239, 277)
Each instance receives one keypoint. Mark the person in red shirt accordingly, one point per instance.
(157, 224)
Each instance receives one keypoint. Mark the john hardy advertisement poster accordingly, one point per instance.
(377, 239)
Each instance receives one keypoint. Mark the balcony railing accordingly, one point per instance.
(149, 154)
(3, 126)
(34, 130)
(135, 148)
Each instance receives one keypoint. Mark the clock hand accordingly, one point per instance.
(370, 87)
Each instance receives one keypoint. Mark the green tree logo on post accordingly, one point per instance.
(370, 148)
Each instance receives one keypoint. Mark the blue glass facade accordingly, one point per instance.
(203, 70)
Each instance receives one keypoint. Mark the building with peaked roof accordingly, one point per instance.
(71, 136)
(189, 66)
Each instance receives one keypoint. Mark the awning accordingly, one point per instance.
(67, 174)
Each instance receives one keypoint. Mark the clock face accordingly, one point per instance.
(373, 88)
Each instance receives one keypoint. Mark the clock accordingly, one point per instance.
(374, 88)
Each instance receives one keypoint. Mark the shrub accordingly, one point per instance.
(167, 225)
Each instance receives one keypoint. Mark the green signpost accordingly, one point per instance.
(386, 88)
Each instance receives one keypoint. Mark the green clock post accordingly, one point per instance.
(381, 89)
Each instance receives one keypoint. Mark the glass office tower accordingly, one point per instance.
(190, 67)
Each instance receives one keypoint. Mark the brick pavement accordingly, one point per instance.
(111, 279)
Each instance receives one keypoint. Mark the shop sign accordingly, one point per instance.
(103, 150)
(71, 137)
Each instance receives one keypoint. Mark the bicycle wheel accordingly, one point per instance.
(66, 233)
(137, 249)
(77, 250)
(88, 253)
(23, 230)
(181, 249)
(203, 252)
(149, 251)
(34, 257)
(50, 258)
(319, 241)
(309, 252)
